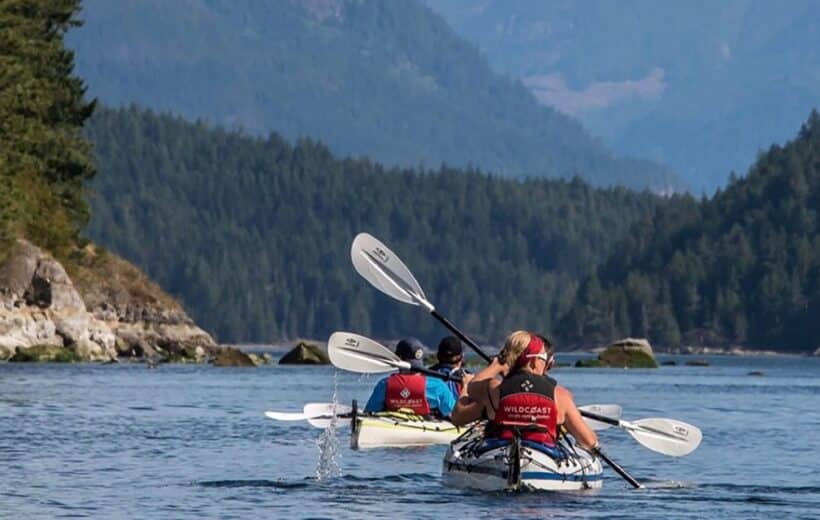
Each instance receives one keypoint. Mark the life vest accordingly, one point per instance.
(407, 391)
(527, 399)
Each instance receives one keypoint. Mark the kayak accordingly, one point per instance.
(474, 462)
(399, 430)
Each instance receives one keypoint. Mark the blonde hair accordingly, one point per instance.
(516, 343)
(514, 346)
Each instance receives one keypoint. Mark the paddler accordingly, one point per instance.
(409, 390)
(450, 356)
(515, 393)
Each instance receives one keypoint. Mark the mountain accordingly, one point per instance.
(700, 86)
(253, 234)
(741, 268)
(389, 80)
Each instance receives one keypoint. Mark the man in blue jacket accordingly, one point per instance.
(450, 355)
(409, 390)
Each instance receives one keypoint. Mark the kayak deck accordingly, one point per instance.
(473, 462)
(399, 430)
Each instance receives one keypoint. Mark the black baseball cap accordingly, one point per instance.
(411, 350)
(450, 347)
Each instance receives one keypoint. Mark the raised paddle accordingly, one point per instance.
(383, 269)
(363, 355)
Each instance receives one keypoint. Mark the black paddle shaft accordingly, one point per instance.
(618, 469)
(461, 335)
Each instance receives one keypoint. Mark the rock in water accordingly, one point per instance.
(232, 357)
(626, 353)
(629, 353)
(697, 363)
(305, 354)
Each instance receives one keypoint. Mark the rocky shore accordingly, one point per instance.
(104, 310)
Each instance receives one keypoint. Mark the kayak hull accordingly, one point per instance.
(387, 432)
(471, 462)
(399, 430)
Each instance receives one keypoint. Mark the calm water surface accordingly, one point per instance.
(192, 442)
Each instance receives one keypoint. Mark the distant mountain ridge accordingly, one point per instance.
(701, 86)
(389, 80)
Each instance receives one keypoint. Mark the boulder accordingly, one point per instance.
(232, 357)
(305, 354)
(669, 363)
(45, 353)
(626, 353)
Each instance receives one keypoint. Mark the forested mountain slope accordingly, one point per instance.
(387, 80)
(741, 268)
(253, 234)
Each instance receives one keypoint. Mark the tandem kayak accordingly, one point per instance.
(474, 462)
(393, 430)
(399, 430)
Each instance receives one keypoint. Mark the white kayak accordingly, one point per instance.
(474, 462)
(399, 430)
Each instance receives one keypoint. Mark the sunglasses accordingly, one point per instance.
(542, 356)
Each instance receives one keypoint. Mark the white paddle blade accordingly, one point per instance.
(286, 416)
(385, 271)
(323, 415)
(667, 436)
(613, 411)
(326, 409)
(357, 353)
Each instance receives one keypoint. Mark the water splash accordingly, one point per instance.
(328, 465)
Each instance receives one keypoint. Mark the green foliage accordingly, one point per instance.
(389, 80)
(44, 161)
(253, 235)
(740, 268)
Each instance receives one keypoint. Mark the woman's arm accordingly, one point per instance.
(573, 421)
(467, 410)
(479, 387)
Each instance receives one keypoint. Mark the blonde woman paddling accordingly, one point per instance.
(514, 392)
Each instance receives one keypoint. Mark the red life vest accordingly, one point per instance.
(527, 399)
(407, 391)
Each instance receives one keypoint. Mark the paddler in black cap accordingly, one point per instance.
(409, 390)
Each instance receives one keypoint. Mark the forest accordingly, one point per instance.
(253, 234)
(741, 268)
(44, 159)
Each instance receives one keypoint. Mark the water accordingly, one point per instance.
(191, 442)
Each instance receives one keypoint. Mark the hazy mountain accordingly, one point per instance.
(390, 80)
(701, 86)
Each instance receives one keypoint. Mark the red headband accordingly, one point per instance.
(533, 348)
